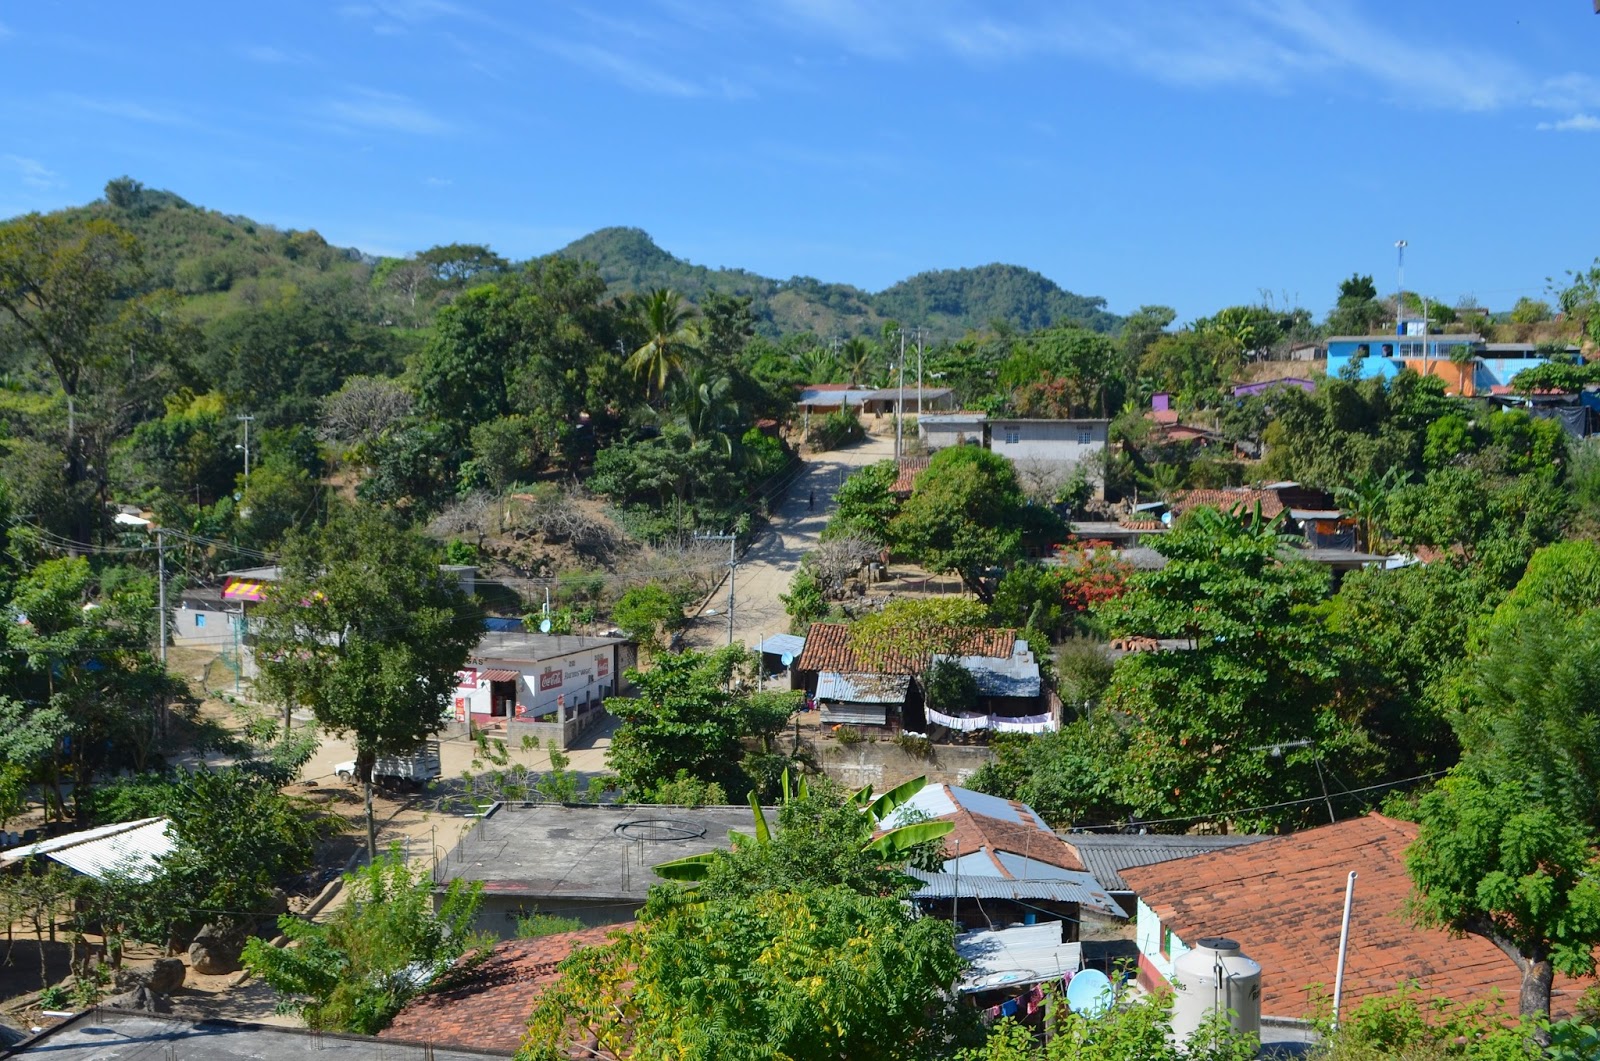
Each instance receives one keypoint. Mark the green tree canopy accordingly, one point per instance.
(967, 514)
(365, 631)
(1494, 860)
(1253, 673)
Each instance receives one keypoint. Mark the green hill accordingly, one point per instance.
(945, 300)
(224, 263)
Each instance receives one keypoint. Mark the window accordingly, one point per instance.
(1085, 436)
(199, 620)
(1013, 435)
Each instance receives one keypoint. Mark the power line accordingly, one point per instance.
(1269, 806)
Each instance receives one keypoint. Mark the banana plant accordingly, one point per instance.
(891, 845)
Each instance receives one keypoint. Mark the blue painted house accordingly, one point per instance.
(1469, 366)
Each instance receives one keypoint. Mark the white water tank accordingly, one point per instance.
(1215, 977)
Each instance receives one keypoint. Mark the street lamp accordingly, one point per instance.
(1276, 751)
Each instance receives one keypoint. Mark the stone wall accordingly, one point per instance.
(884, 764)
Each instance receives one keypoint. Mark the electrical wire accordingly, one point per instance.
(1270, 806)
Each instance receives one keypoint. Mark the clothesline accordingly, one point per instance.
(967, 723)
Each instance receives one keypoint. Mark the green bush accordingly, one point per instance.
(837, 429)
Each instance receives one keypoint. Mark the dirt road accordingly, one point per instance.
(794, 530)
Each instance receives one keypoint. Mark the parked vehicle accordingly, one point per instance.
(412, 771)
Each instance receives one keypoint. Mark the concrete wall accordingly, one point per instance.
(1047, 440)
(563, 733)
(498, 913)
(1148, 931)
(200, 626)
(884, 764)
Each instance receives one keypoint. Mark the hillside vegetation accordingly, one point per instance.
(947, 301)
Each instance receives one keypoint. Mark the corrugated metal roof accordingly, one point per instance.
(1015, 957)
(1106, 854)
(129, 848)
(783, 645)
(862, 688)
(1065, 887)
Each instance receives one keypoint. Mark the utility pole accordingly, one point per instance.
(248, 419)
(920, 332)
(161, 593)
(733, 569)
(900, 405)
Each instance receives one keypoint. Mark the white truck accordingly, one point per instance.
(410, 771)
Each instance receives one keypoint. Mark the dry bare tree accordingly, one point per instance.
(359, 411)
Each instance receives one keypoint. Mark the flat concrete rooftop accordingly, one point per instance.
(571, 851)
(536, 647)
(123, 1035)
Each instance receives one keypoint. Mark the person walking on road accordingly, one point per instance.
(811, 502)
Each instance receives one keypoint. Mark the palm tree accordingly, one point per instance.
(855, 357)
(668, 338)
(704, 406)
(1367, 502)
(816, 365)
(894, 843)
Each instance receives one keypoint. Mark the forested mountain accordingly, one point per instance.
(947, 301)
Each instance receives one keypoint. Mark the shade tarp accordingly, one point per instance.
(244, 589)
(500, 676)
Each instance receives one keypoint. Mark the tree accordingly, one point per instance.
(864, 504)
(1358, 310)
(648, 614)
(238, 837)
(1579, 299)
(1530, 311)
(363, 408)
(684, 717)
(967, 515)
(824, 838)
(1494, 860)
(364, 631)
(810, 974)
(1253, 674)
(65, 286)
(89, 693)
(386, 943)
(1071, 777)
(664, 319)
(951, 687)
(911, 632)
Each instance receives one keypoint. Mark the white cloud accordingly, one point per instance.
(385, 111)
(629, 72)
(1578, 123)
(121, 108)
(1271, 45)
(31, 171)
(437, 182)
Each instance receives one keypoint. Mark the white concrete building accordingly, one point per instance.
(1046, 453)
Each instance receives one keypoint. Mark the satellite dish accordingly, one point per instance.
(544, 626)
(1089, 993)
(786, 659)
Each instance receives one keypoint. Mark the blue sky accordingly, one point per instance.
(1193, 154)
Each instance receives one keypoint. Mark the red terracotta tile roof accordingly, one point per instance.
(487, 1008)
(828, 648)
(1228, 500)
(1282, 900)
(975, 832)
(910, 468)
(1141, 524)
(1162, 416)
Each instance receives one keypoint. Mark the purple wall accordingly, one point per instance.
(1161, 402)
